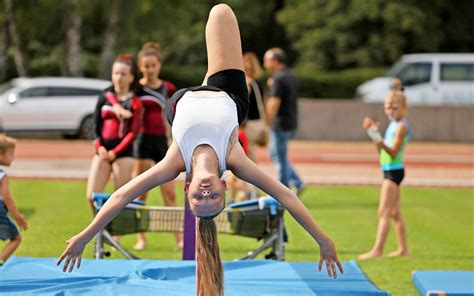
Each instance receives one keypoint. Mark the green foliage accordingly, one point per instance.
(318, 35)
(177, 25)
(57, 210)
(340, 34)
(184, 76)
(335, 84)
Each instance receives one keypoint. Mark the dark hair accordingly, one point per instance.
(129, 60)
(150, 49)
(278, 54)
(210, 273)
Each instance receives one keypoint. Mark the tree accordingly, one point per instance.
(317, 34)
(457, 23)
(15, 37)
(3, 49)
(341, 34)
(73, 36)
(259, 28)
(108, 53)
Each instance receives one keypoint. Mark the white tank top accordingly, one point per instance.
(207, 120)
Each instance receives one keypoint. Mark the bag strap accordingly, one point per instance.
(258, 98)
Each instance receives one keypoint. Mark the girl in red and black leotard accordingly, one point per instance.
(152, 143)
(115, 135)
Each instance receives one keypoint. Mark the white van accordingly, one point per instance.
(59, 105)
(429, 79)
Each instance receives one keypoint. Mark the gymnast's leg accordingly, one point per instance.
(224, 49)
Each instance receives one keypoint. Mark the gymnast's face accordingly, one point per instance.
(122, 76)
(394, 105)
(206, 195)
(150, 66)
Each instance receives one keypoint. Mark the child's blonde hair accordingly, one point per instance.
(397, 91)
(398, 95)
(6, 143)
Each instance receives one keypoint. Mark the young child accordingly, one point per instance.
(391, 149)
(8, 230)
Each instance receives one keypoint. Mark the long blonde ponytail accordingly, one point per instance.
(210, 274)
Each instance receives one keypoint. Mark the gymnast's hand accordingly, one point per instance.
(103, 154)
(73, 253)
(367, 122)
(121, 112)
(111, 155)
(327, 251)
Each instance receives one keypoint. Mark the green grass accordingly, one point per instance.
(440, 228)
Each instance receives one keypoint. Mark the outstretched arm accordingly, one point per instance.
(248, 171)
(166, 170)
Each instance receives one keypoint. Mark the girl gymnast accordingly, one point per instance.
(205, 122)
(391, 149)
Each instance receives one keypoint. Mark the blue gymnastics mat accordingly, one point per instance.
(444, 283)
(32, 276)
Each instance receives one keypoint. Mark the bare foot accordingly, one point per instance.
(140, 245)
(398, 253)
(180, 245)
(369, 255)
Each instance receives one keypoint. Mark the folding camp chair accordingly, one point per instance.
(260, 218)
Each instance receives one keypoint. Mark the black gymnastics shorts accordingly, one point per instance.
(231, 81)
(395, 175)
(150, 147)
(111, 144)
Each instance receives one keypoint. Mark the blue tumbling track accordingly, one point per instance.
(28, 276)
(443, 282)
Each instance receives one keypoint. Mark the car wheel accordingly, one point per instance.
(86, 131)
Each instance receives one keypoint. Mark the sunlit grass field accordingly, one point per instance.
(439, 221)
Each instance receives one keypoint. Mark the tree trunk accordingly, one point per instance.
(73, 35)
(111, 33)
(3, 50)
(18, 54)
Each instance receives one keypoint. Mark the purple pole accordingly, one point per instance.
(189, 251)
